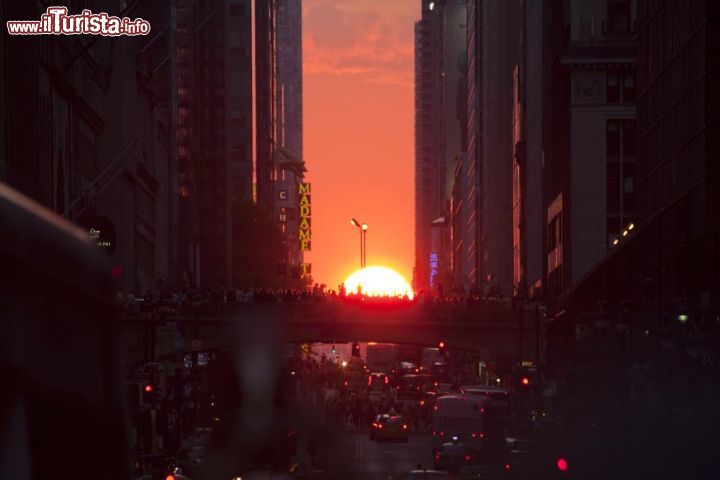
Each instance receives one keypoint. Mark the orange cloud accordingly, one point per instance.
(369, 40)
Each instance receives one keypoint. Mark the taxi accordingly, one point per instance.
(389, 426)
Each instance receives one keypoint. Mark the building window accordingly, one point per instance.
(620, 87)
(555, 232)
(620, 175)
(619, 16)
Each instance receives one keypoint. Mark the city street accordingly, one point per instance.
(347, 239)
(374, 460)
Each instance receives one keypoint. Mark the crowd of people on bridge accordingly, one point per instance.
(188, 299)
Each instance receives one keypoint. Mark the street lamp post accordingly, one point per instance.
(363, 245)
(364, 248)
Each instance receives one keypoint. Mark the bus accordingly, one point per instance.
(498, 405)
(460, 418)
(381, 357)
(62, 382)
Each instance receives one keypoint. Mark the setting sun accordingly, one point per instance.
(377, 282)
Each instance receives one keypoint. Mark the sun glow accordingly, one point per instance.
(378, 282)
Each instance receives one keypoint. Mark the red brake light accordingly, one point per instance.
(170, 477)
(435, 407)
(562, 464)
(437, 456)
(148, 388)
(482, 410)
(404, 427)
(467, 457)
(434, 432)
(474, 435)
(380, 426)
(369, 380)
(442, 434)
(507, 466)
(346, 383)
(525, 381)
(386, 380)
(482, 435)
(422, 402)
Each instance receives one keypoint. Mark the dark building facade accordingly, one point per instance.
(214, 132)
(486, 254)
(85, 124)
(500, 49)
(429, 138)
(440, 134)
(265, 102)
(289, 129)
(529, 128)
(470, 253)
(590, 159)
(678, 194)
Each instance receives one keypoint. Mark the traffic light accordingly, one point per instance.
(441, 348)
(525, 381)
(355, 349)
(148, 394)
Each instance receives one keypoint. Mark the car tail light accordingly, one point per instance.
(370, 381)
(437, 456)
(474, 435)
(345, 383)
(442, 434)
(170, 477)
(482, 435)
(386, 380)
(562, 464)
(435, 407)
(380, 426)
(482, 410)
(404, 427)
(434, 432)
(507, 466)
(422, 402)
(467, 457)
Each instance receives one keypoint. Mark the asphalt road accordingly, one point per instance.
(370, 460)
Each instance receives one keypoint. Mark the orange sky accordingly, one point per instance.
(358, 96)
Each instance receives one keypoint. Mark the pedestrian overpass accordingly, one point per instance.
(498, 331)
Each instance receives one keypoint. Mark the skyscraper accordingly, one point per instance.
(289, 125)
(214, 132)
(440, 119)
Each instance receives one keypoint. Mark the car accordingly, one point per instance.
(389, 426)
(378, 384)
(454, 455)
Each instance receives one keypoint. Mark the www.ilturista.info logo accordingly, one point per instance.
(56, 21)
